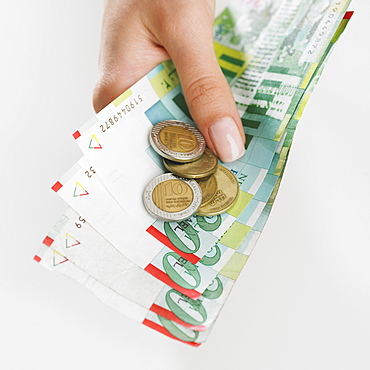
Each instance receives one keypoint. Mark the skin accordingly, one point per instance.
(137, 35)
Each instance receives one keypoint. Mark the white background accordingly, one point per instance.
(303, 300)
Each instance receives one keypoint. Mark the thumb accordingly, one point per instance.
(208, 94)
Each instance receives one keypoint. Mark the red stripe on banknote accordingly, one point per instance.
(163, 239)
(162, 276)
(48, 241)
(348, 15)
(171, 316)
(76, 135)
(162, 330)
(56, 186)
(37, 258)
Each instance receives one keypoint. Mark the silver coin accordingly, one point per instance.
(172, 198)
(177, 141)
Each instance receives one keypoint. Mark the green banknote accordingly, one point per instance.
(191, 318)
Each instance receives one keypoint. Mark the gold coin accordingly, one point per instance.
(172, 196)
(208, 187)
(202, 167)
(225, 196)
(177, 141)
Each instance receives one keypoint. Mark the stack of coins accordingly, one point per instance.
(197, 184)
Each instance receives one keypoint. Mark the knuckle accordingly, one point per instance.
(204, 90)
(104, 92)
(99, 97)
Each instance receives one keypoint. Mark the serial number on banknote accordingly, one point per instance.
(124, 109)
(325, 28)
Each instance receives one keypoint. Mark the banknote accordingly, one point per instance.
(271, 86)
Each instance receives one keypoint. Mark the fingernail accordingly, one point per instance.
(226, 139)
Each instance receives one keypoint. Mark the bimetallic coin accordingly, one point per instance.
(208, 187)
(226, 194)
(172, 198)
(177, 141)
(202, 167)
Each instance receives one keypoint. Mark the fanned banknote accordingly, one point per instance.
(175, 277)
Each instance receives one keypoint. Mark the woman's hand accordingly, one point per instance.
(140, 34)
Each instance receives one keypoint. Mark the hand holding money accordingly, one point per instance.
(175, 276)
(138, 35)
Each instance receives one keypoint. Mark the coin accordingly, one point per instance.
(177, 141)
(208, 187)
(172, 198)
(225, 196)
(202, 167)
